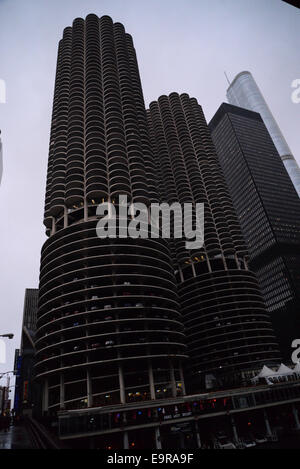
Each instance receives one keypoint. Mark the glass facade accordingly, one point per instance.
(269, 212)
(244, 92)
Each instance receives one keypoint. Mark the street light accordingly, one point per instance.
(10, 336)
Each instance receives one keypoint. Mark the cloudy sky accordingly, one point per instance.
(182, 45)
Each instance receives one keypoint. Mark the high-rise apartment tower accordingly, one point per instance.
(227, 327)
(109, 327)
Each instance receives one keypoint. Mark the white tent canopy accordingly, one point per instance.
(283, 370)
(264, 373)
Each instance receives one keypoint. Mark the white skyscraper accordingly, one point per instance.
(244, 92)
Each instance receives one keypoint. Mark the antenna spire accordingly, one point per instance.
(227, 78)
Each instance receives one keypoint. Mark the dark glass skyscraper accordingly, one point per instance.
(26, 390)
(269, 212)
(109, 324)
(228, 330)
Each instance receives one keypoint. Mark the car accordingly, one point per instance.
(108, 318)
(95, 345)
(139, 305)
(248, 442)
(223, 442)
(107, 306)
(259, 438)
(109, 343)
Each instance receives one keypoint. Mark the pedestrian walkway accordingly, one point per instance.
(15, 438)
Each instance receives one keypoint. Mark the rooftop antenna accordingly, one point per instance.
(227, 78)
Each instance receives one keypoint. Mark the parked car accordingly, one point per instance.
(248, 442)
(95, 345)
(259, 438)
(223, 442)
(109, 343)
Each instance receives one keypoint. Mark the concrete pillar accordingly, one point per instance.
(62, 391)
(267, 423)
(89, 390)
(208, 264)
(53, 228)
(296, 417)
(125, 440)
(122, 385)
(65, 217)
(198, 439)
(173, 381)
(235, 433)
(157, 438)
(45, 396)
(181, 275)
(85, 211)
(151, 380)
(181, 440)
(182, 380)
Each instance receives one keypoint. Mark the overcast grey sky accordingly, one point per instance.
(182, 45)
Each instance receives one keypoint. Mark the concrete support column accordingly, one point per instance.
(125, 440)
(157, 438)
(181, 440)
(296, 417)
(267, 423)
(224, 262)
(89, 390)
(198, 439)
(45, 396)
(62, 391)
(122, 385)
(234, 430)
(85, 210)
(182, 380)
(181, 275)
(65, 217)
(208, 263)
(173, 381)
(151, 380)
(53, 228)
